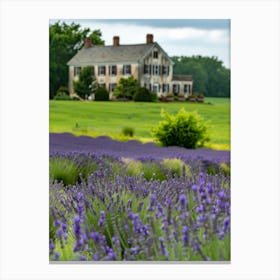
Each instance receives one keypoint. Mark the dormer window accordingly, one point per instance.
(155, 54)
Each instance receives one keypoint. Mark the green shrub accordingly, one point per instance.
(154, 96)
(150, 169)
(63, 170)
(143, 94)
(186, 129)
(62, 96)
(126, 88)
(68, 171)
(63, 89)
(128, 131)
(176, 166)
(225, 168)
(101, 94)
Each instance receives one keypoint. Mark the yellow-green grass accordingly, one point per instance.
(109, 118)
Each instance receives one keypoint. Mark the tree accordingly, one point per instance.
(86, 84)
(126, 88)
(64, 42)
(210, 76)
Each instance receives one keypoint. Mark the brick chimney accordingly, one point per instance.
(150, 38)
(116, 40)
(87, 43)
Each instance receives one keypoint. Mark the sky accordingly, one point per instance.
(186, 37)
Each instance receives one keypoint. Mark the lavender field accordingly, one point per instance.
(116, 201)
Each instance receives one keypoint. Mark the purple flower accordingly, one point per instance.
(56, 223)
(56, 256)
(95, 237)
(83, 258)
(226, 224)
(59, 233)
(221, 194)
(183, 202)
(194, 188)
(152, 202)
(200, 208)
(101, 219)
(221, 235)
(163, 250)
(111, 256)
(185, 235)
(210, 188)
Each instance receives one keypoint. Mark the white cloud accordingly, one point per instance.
(176, 41)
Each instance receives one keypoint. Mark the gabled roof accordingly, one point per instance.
(112, 54)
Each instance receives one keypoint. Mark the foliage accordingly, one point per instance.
(64, 42)
(126, 88)
(176, 166)
(69, 169)
(62, 96)
(143, 94)
(186, 129)
(128, 131)
(86, 84)
(101, 94)
(210, 76)
(111, 216)
(63, 89)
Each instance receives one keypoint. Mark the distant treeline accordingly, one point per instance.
(209, 75)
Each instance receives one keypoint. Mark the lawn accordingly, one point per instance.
(109, 118)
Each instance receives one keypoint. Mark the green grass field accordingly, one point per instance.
(109, 118)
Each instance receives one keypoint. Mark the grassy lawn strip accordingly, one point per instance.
(109, 118)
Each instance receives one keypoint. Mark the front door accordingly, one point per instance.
(156, 88)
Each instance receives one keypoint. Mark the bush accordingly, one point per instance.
(126, 88)
(143, 94)
(186, 129)
(128, 131)
(176, 166)
(63, 89)
(101, 94)
(62, 96)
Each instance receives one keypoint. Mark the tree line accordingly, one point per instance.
(211, 78)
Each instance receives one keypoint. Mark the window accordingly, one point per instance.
(165, 70)
(155, 54)
(165, 88)
(147, 69)
(155, 69)
(101, 70)
(176, 88)
(156, 87)
(77, 70)
(127, 69)
(112, 87)
(113, 70)
(186, 88)
(101, 85)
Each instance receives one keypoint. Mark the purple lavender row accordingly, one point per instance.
(68, 143)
